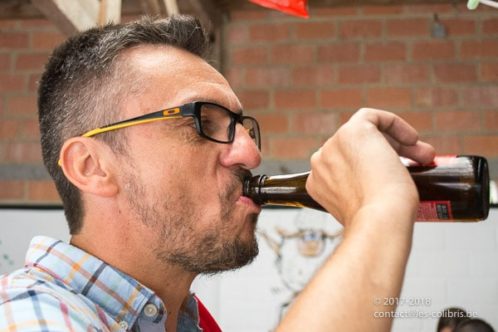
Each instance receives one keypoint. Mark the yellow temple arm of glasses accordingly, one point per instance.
(124, 125)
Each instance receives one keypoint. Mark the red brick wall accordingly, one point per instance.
(24, 48)
(302, 79)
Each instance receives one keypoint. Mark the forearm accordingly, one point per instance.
(369, 264)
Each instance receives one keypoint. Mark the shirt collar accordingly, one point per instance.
(119, 295)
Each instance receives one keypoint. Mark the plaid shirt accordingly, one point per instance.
(62, 288)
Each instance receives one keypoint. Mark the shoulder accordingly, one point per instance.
(31, 301)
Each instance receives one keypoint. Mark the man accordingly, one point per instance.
(148, 147)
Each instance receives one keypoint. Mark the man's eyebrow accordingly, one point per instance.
(238, 111)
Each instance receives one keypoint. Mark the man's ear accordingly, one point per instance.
(87, 164)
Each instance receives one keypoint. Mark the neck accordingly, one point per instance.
(117, 246)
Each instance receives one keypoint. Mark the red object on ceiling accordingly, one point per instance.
(293, 7)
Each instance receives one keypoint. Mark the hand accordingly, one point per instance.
(360, 167)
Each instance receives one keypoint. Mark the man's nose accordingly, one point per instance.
(243, 151)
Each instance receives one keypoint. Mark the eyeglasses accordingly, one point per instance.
(212, 121)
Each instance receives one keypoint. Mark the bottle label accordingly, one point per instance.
(434, 211)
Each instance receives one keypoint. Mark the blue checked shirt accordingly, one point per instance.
(62, 288)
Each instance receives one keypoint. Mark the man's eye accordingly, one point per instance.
(209, 126)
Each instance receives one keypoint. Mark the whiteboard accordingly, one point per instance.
(19, 226)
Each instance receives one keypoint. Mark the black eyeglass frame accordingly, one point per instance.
(192, 109)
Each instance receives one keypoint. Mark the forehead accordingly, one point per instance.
(170, 77)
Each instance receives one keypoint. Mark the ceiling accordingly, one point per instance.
(10, 9)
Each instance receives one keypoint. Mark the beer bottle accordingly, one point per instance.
(452, 188)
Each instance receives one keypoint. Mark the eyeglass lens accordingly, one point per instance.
(218, 124)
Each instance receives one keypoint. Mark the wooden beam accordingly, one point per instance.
(110, 11)
(70, 16)
(171, 7)
(151, 7)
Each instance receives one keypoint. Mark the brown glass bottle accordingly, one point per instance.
(453, 188)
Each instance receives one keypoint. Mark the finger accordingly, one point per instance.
(421, 152)
(390, 124)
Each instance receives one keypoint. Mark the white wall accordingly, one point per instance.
(450, 265)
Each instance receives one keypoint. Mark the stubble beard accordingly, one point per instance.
(175, 242)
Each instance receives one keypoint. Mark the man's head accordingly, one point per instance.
(184, 189)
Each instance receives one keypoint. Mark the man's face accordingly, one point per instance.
(185, 190)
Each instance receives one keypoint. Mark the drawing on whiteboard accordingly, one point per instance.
(300, 252)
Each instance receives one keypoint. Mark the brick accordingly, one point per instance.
(315, 122)
(248, 14)
(293, 54)
(382, 10)
(406, 73)
(457, 121)
(265, 145)
(360, 28)
(237, 34)
(480, 97)
(490, 26)
(12, 82)
(422, 121)
(315, 30)
(29, 130)
(36, 24)
(343, 52)
(25, 105)
(317, 75)
(8, 129)
(489, 72)
(341, 99)
(47, 40)
(42, 191)
(385, 52)
(491, 120)
(31, 61)
(294, 99)
(9, 24)
(5, 62)
(272, 76)
(473, 49)
(333, 11)
(33, 82)
(26, 152)
(254, 99)
(481, 145)
(455, 72)
(11, 190)
(389, 98)
(235, 75)
(425, 8)
(345, 116)
(13, 40)
(293, 147)
(459, 26)
(274, 123)
(269, 32)
(407, 27)
(435, 97)
(444, 144)
(249, 56)
(433, 50)
(358, 74)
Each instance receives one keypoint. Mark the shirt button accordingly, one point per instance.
(150, 310)
(123, 325)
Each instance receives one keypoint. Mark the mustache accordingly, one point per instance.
(235, 187)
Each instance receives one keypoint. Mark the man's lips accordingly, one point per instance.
(249, 202)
